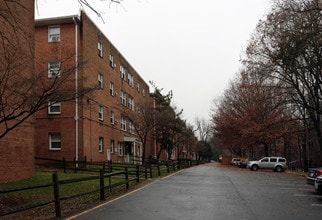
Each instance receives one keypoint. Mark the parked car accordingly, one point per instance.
(277, 164)
(318, 184)
(235, 161)
(243, 163)
(312, 175)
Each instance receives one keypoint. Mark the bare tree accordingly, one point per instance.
(252, 114)
(203, 128)
(144, 123)
(287, 47)
(22, 90)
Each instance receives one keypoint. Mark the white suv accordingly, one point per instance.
(275, 163)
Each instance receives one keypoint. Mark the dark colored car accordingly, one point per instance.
(243, 163)
(312, 175)
(318, 183)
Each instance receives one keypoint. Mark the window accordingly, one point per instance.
(123, 98)
(123, 123)
(265, 160)
(100, 81)
(112, 146)
(130, 79)
(54, 33)
(100, 112)
(112, 117)
(138, 86)
(112, 93)
(122, 72)
(282, 160)
(99, 44)
(131, 103)
(100, 144)
(273, 159)
(131, 127)
(54, 107)
(112, 64)
(120, 148)
(143, 92)
(100, 48)
(53, 69)
(54, 141)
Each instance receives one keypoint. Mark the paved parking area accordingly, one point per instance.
(212, 192)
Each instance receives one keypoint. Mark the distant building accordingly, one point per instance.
(96, 126)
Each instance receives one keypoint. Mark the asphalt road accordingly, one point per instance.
(213, 192)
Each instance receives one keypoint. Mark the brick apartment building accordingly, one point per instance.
(16, 62)
(95, 125)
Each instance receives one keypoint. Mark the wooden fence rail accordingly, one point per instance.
(105, 171)
(56, 184)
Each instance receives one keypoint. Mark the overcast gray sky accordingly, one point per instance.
(191, 47)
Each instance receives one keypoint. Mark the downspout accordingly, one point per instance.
(76, 19)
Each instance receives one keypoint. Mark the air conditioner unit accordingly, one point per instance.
(55, 38)
(114, 65)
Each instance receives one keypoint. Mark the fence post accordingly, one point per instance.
(150, 169)
(146, 170)
(75, 165)
(159, 171)
(127, 178)
(102, 193)
(137, 173)
(167, 164)
(56, 195)
(110, 168)
(173, 165)
(64, 164)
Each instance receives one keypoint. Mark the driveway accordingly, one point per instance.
(212, 191)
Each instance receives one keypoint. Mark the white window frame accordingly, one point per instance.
(112, 143)
(54, 33)
(100, 48)
(112, 64)
(100, 80)
(54, 69)
(122, 72)
(130, 79)
(120, 148)
(131, 103)
(143, 92)
(112, 117)
(101, 112)
(112, 92)
(52, 105)
(123, 123)
(131, 127)
(100, 144)
(54, 138)
(138, 86)
(123, 97)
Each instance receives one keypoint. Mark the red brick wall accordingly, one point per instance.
(90, 128)
(64, 123)
(17, 147)
(17, 154)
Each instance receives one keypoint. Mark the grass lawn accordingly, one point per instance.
(13, 199)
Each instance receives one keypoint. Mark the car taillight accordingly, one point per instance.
(318, 172)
